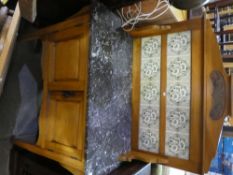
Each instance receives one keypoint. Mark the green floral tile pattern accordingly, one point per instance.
(150, 94)
(178, 95)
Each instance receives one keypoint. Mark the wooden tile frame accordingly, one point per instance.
(198, 162)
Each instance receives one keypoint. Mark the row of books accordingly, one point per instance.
(222, 20)
(227, 10)
(227, 49)
(226, 21)
(229, 71)
(227, 52)
(210, 15)
(227, 38)
(227, 27)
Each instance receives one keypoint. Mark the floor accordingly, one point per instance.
(19, 103)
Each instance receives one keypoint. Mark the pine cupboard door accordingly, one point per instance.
(62, 120)
(67, 59)
(67, 88)
(66, 124)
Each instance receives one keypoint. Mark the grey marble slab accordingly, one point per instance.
(109, 96)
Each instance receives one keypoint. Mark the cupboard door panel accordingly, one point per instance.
(67, 60)
(66, 121)
(65, 124)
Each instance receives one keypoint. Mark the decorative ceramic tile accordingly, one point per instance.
(177, 145)
(150, 69)
(179, 68)
(149, 117)
(177, 120)
(178, 94)
(179, 43)
(151, 47)
(150, 94)
(148, 140)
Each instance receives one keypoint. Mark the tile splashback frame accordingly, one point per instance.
(204, 131)
(178, 89)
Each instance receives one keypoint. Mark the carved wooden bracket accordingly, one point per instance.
(219, 95)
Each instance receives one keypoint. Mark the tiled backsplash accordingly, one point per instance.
(150, 94)
(177, 94)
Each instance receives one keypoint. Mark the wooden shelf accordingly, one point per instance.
(227, 131)
(228, 60)
(228, 65)
(227, 56)
(211, 19)
(224, 32)
(74, 163)
(226, 43)
(227, 134)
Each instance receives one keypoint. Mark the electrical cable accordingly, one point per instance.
(134, 14)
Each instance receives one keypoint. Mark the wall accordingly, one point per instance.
(19, 103)
(109, 113)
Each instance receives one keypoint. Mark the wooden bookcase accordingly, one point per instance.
(220, 13)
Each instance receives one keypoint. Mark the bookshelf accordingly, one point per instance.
(220, 13)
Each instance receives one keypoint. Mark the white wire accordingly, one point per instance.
(157, 10)
(140, 16)
(157, 6)
(148, 17)
(135, 15)
(157, 16)
(133, 20)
